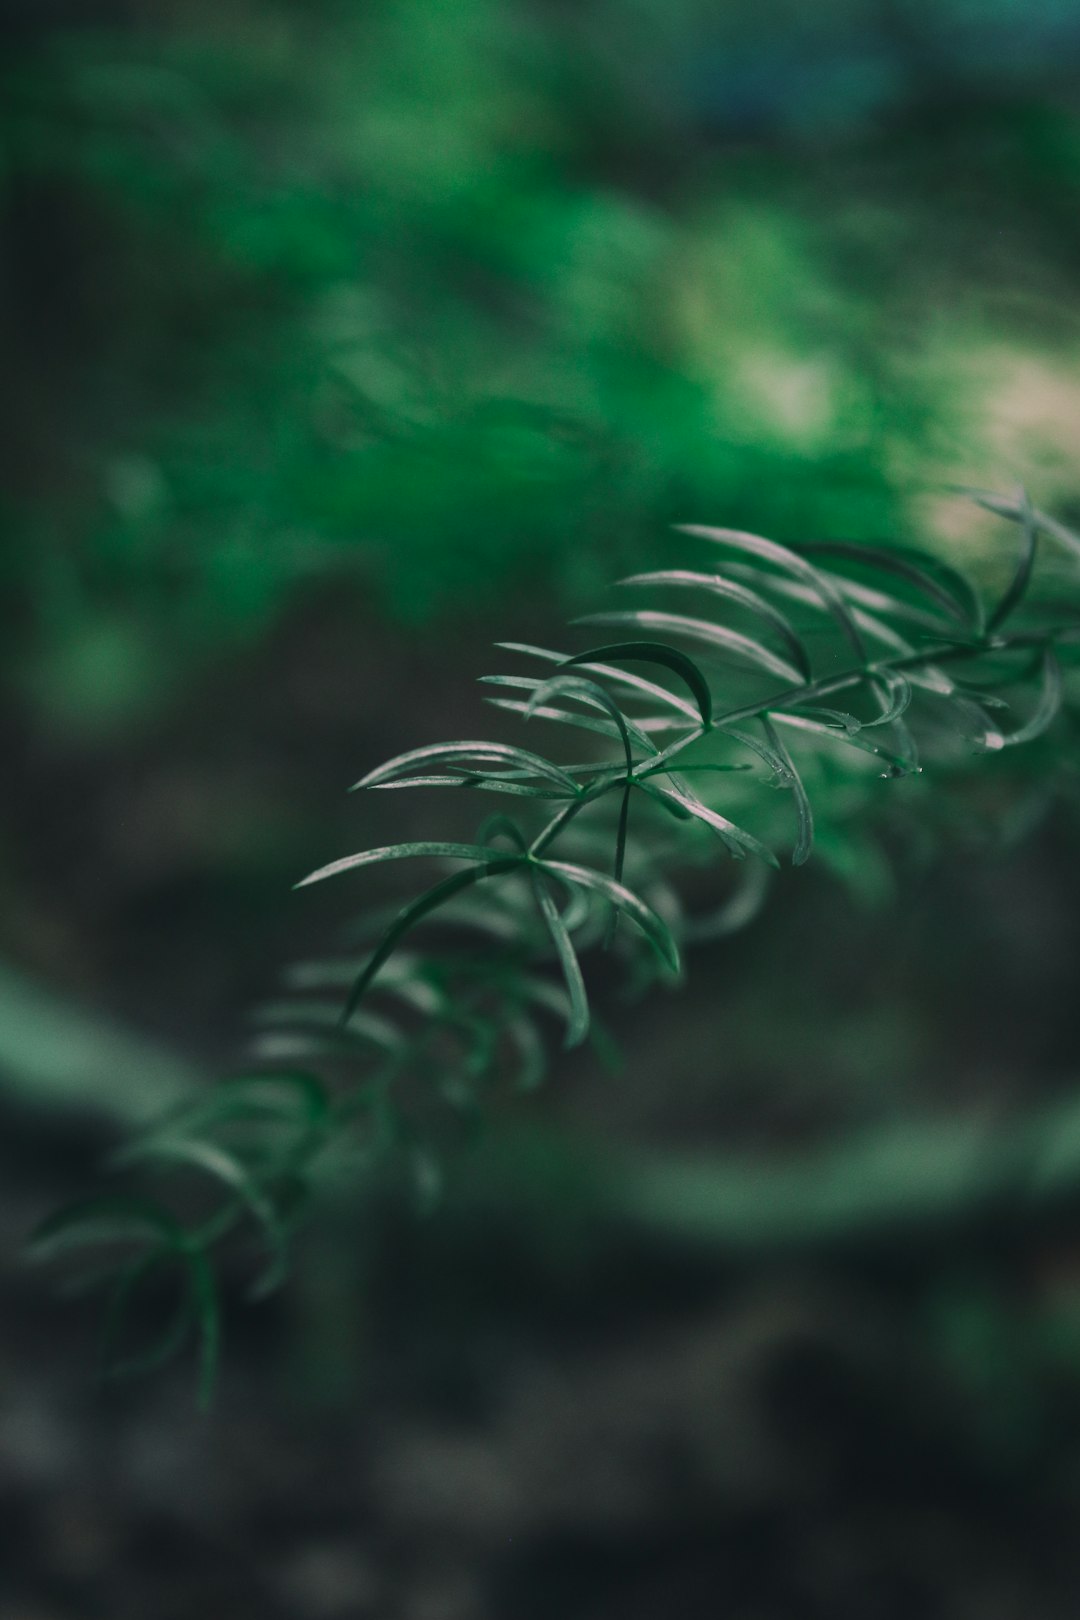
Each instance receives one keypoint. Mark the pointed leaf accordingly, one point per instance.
(584, 722)
(803, 811)
(728, 830)
(897, 699)
(208, 1316)
(790, 562)
(1046, 709)
(487, 752)
(574, 686)
(577, 1014)
(739, 909)
(532, 1057)
(500, 826)
(116, 1218)
(655, 652)
(716, 636)
(928, 575)
(586, 691)
(397, 852)
(719, 586)
(624, 677)
(168, 1343)
(416, 911)
(226, 1167)
(490, 784)
(1004, 507)
(898, 766)
(631, 905)
(1017, 588)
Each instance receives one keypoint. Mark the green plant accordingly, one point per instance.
(842, 665)
(423, 305)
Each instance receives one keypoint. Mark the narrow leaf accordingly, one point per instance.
(803, 812)
(898, 765)
(896, 702)
(655, 652)
(577, 1013)
(624, 677)
(1046, 709)
(226, 1167)
(585, 691)
(728, 830)
(490, 784)
(115, 1218)
(790, 562)
(171, 1338)
(734, 913)
(488, 752)
(1004, 507)
(397, 852)
(1018, 585)
(719, 586)
(652, 926)
(584, 722)
(717, 636)
(416, 911)
(928, 575)
(532, 1058)
(208, 1315)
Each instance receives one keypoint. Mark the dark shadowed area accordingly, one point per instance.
(341, 342)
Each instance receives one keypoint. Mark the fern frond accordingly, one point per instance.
(394, 1032)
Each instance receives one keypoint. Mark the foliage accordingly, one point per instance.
(444, 300)
(819, 670)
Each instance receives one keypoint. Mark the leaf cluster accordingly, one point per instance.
(867, 654)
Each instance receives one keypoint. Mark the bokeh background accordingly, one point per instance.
(339, 341)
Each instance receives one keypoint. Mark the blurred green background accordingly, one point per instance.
(340, 340)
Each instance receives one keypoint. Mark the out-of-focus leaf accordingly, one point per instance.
(111, 1218)
(208, 1316)
(532, 1059)
(1017, 587)
(169, 1340)
(1046, 708)
(897, 690)
(320, 1018)
(934, 579)
(225, 1167)
(739, 909)
(1006, 507)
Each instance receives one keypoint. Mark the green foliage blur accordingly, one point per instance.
(449, 302)
(341, 337)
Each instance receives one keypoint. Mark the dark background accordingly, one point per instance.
(338, 342)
